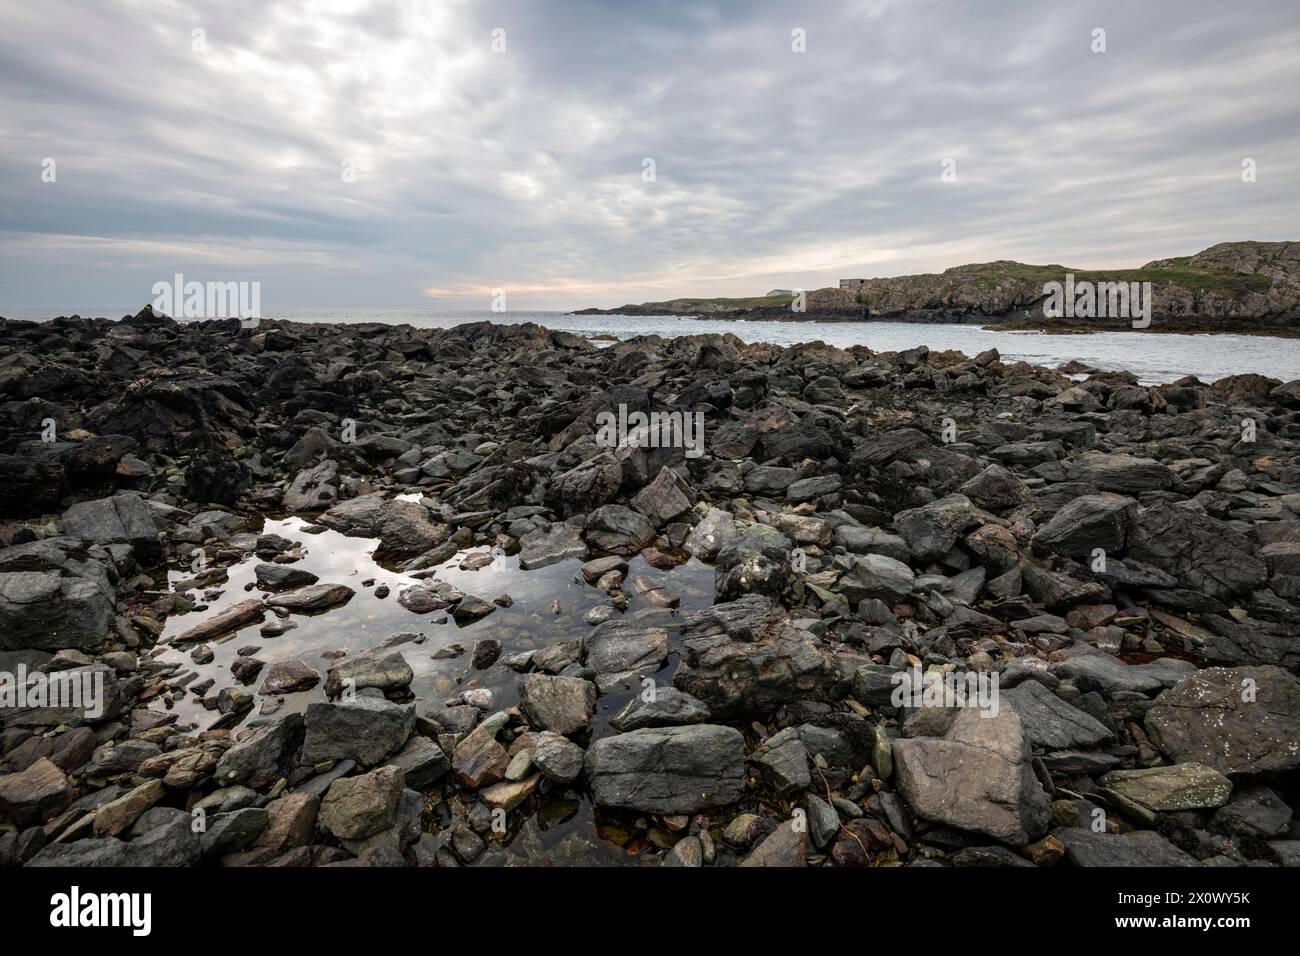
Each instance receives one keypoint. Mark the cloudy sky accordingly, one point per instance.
(217, 139)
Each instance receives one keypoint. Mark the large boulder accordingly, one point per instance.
(587, 485)
(1050, 722)
(668, 769)
(1123, 474)
(665, 498)
(977, 777)
(122, 519)
(1238, 720)
(366, 730)
(53, 596)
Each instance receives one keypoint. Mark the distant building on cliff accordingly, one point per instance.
(851, 283)
(781, 292)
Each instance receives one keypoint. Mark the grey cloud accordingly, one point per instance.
(522, 170)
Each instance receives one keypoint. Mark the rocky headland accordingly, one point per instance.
(1115, 567)
(1250, 287)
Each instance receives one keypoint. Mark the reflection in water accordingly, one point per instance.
(562, 829)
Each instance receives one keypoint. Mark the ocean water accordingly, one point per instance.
(1154, 358)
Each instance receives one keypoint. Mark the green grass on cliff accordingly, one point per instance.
(1179, 271)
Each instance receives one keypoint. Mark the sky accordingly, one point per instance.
(379, 154)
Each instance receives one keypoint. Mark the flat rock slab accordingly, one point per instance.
(668, 769)
(1140, 848)
(1113, 675)
(314, 597)
(1184, 786)
(231, 619)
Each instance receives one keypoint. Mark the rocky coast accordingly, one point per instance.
(709, 672)
(1250, 288)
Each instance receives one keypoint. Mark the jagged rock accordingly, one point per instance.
(665, 498)
(1123, 474)
(588, 485)
(263, 758)
(757, 561)
(560, 542)
(561, 704)
(711, 535)
(1203, 553)
(787, 845)
(877, 576)
(423, 762)
(358, 807)
(289, 677)
(1254, 812)
(1113, 675)
(1093, 521)
(996, 489)
(121, 519)
(931, 530)
(35, 794)
(1052, 723)
(282, 577)
(746, 654)
(783, 759)
(384, 670)
(559, 759)
(618, 530)
(478, 759)
(406, 527)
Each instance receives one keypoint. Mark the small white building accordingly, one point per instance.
(851, 283)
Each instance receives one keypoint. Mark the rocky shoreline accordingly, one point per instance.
(1115, 568)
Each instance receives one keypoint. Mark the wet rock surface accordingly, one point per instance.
(462, 629)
